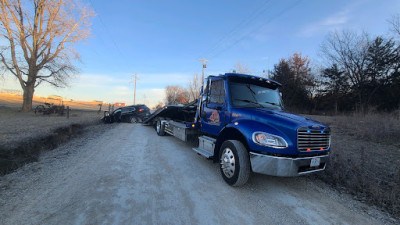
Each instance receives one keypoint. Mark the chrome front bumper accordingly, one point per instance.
(285, 167)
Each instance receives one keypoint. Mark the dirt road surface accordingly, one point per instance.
(129, 175)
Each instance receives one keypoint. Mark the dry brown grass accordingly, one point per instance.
(365, 157)
(370, 127)
(24, 136)
(12, 100)
(16, 127)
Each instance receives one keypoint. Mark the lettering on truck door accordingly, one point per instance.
(213, 110)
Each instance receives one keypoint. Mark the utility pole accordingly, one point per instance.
(134, 93)
(204, 66)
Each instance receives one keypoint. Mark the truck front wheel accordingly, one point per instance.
(234, 163)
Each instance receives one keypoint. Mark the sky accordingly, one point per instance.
(162, 41)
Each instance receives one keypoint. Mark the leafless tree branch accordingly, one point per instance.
(40, 36)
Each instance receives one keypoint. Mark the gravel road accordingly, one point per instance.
(129, 175)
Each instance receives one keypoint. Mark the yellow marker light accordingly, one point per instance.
(192, 125)
(236, 123)
(259, 138)
(166, 107)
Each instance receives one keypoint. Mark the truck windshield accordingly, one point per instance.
(251, 95)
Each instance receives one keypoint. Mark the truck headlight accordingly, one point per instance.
(269, 140)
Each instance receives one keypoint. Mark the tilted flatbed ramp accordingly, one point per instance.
(175, 112)
(166, 111)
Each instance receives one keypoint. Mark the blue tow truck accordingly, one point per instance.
(239, 121)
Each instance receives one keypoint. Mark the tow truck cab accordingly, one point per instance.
(240, 122)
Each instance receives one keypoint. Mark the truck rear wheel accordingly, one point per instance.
(234, 163)
(160, 128)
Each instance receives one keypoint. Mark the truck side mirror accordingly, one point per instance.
(204, 98)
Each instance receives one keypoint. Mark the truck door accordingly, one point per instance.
(212, 113)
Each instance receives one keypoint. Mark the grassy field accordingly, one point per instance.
(15, 101)
(16, 126)
(23, 136)
(365, 157)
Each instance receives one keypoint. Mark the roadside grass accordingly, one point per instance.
(370, 127)
(24, 136)
(365, 158)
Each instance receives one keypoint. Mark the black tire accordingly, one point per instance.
(133, 119)
(39, 109)
(236, 170)
(160, 128)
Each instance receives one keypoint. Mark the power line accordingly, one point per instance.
(257, 28)
(243, 23)
(107, 30)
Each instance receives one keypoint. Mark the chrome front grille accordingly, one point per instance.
(312, 139)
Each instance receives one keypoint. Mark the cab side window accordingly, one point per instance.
(217, 92)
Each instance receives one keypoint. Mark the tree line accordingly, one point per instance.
(361, 73)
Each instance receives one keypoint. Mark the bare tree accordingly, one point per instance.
(176, 95)
(41, 34)
(158, 106)
(241, 68)
(395, 24)
(194, 87)
(349, 51)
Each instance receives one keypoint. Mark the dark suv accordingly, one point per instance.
(130, 114)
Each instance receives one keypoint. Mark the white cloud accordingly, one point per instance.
(164, 79)
(341, 18)
(330, 23)
(92, 81)
(121, 88)
(150, 97)
(87, 87)
(149, 90)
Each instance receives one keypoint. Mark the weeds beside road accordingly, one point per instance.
(365, 158)
(23, 136)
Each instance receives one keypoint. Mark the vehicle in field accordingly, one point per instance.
(239, 121)
(50, 108)
(130, 114)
